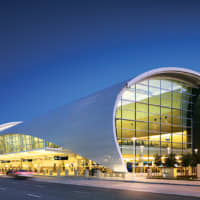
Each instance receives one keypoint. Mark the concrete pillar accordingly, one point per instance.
(86, 173)
(66, 172)
(170, 173)
(149, 173)
(58, 172)
(198, 171)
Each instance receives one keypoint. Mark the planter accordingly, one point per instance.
(169, 172)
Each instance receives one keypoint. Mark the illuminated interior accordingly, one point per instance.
(18, 151)
(158, 115)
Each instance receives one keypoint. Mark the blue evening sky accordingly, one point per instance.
(54, 52)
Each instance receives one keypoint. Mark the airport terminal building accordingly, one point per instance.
(157, 112)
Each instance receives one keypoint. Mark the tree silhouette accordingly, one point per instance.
(170, 161)
(158, 161)
(186, 160)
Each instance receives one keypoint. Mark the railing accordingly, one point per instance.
(181, 172)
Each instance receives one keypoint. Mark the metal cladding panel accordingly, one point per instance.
(84, 127)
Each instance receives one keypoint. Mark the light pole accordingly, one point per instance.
(168, 150)
(133, 139)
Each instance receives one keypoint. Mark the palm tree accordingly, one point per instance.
(170, 161)
(158, 161)
(195, 160)
(186, 160)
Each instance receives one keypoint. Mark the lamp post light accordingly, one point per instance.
(134, 139)
(196, 151)
(168, 150)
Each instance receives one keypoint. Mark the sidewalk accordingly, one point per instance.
(129, 179)
(184, 188)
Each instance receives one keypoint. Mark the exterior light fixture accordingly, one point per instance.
(196, 151)
(168, 150)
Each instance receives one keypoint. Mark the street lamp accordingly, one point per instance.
(133, 139)
(196, 151)
(168, 150)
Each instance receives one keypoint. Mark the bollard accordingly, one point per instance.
(44, 172)
(86, 173)
(75, 172)
(66, 172)
(98, 173)
(50, 173)
(58, 172)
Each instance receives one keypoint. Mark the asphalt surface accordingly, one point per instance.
(27, 189)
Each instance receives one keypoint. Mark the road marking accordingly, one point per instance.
(40, 186)
(33, 195)
(84, 192)
(1, 188)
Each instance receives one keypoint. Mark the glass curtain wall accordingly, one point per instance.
(11, 143)
(158, 113)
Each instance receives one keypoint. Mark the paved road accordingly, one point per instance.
(172, 189)
(26, 190)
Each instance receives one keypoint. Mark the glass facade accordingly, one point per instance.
(11, 143)
(158, 113)
(18, 151)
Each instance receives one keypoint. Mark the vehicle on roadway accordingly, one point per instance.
(20, 173)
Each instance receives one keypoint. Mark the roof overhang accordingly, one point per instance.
(189, 77)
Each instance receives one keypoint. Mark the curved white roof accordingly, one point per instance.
(8, 125)
(188, 76)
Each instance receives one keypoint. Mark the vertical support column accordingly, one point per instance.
(135, 121)
(191, 122)
(196, 117)
(160, 117)
(121, 123)
(148, 123)
(171, 117)
(181, 116)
